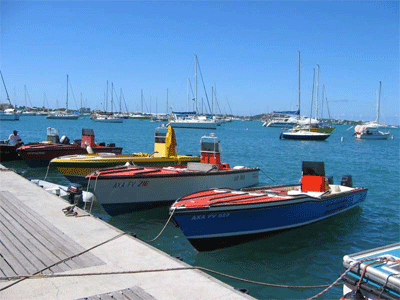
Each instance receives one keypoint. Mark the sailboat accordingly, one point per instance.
(305, 129)
(191, 119)
(108, 117)
(8, 114)
(370, 131)
(63, 115)
(313, 125)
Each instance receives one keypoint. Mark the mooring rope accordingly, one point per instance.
(165, 226)
(328, 287)
(268, 176)
(35, 275)
(47, 172)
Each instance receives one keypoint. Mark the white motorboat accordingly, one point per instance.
(129, 188)
(191, 120)
(72, 193)
(370, 132)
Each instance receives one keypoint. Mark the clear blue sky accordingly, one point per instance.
(247, 50)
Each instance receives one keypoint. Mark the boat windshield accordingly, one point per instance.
(315, 168)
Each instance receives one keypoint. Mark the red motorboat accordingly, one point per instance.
(40, 154)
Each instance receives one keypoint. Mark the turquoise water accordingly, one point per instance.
(311, 255)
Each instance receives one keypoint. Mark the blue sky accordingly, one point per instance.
(247, 50)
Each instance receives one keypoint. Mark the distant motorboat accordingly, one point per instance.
(370, 132)
(107, 118)
(9, 115)
(192, 120)
(62, 116)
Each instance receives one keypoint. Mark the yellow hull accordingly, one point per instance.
(74, 166)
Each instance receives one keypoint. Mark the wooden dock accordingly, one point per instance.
(45, 254)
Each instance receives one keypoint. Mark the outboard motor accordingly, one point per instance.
(347, 181)
(64, 140)
(75, 194)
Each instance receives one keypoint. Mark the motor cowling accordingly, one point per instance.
(347, 180)
(75, 193)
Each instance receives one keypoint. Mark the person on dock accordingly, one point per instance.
(14, 139)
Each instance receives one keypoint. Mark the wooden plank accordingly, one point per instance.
(142, 293)
(10, 260)
(106, 296)
(52, 233)
(118, 296)
(17, 250)
(46, 256)
(23, 243)
(5, 268)
(48, 242)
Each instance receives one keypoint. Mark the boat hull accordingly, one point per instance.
(194, 125)
(8, 153)
(308, 137)
(124, 195)
(76, 170)
(40, 156)
(225, 225)
(382, 136)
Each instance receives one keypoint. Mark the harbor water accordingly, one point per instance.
(307, 256)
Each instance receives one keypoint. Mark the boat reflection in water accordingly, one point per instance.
(218, 218)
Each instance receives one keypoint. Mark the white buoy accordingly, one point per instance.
(341, 139)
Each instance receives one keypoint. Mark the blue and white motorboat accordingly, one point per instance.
(218, 218)
(374, 274)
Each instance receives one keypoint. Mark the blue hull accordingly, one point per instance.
(218, 227)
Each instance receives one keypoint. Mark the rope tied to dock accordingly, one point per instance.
(165, 226)
(38, 273)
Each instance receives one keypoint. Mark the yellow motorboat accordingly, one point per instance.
(76, 167)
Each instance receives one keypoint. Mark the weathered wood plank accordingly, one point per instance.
(15, 265)
(40, 242)
(141, 293)
(41, 234)
(22, 242)
(17, 249)
(62, 242)
(5, 268)
(47, 256)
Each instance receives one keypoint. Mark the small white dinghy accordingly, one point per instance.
(72, 193)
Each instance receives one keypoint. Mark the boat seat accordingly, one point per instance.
(194, 166)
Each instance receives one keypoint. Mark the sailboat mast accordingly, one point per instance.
(195, 79)
(187, 94)
(112, 92)
(299, 86)
(316, 102)
(312, 95)
(66, 105)
(8, 97)
(379, 102)
(167, 101)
